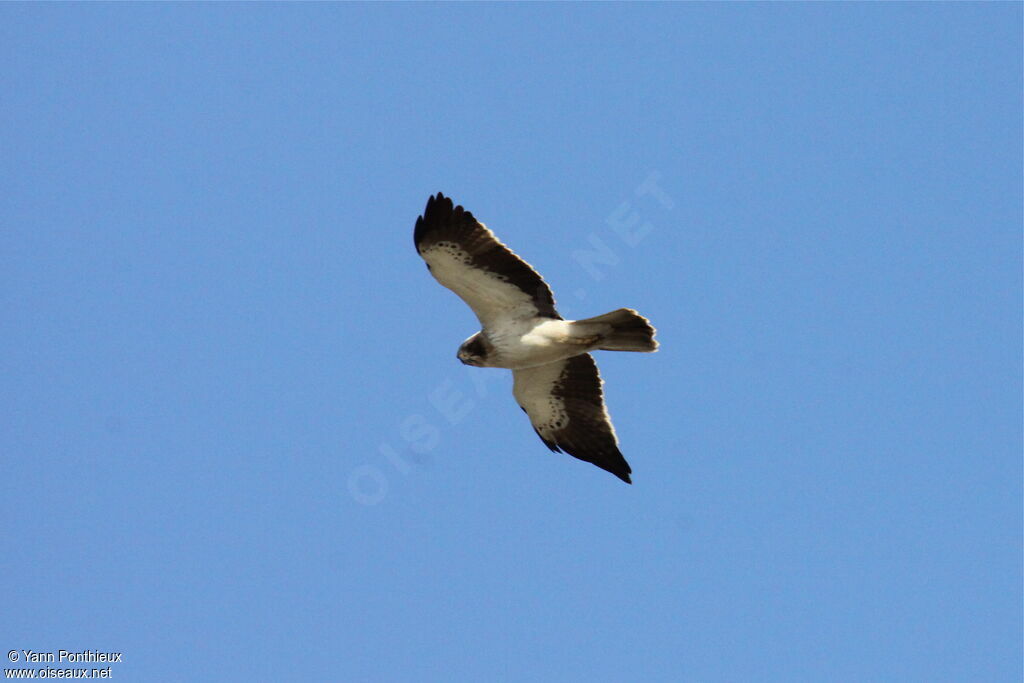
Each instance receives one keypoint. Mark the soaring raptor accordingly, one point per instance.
(555, 379)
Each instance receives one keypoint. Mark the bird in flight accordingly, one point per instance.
(554, 377)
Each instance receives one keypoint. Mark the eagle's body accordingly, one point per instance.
(555, 380)
(527, 342)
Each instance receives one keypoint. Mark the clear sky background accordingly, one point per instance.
(236, 442)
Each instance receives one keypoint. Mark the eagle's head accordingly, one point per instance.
(473, 351)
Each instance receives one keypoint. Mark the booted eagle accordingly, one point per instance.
(555, 379)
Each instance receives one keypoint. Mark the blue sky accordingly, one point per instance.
(229, 446)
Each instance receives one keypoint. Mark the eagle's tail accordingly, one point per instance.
(622, 330)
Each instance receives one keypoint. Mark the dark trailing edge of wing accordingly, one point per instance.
(552, 446)
(444, 221)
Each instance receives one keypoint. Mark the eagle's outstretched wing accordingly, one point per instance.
(565, 405)
(468, 259)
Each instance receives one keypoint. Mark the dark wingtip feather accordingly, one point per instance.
(608, 460)
(620, 469)
(437, 213)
